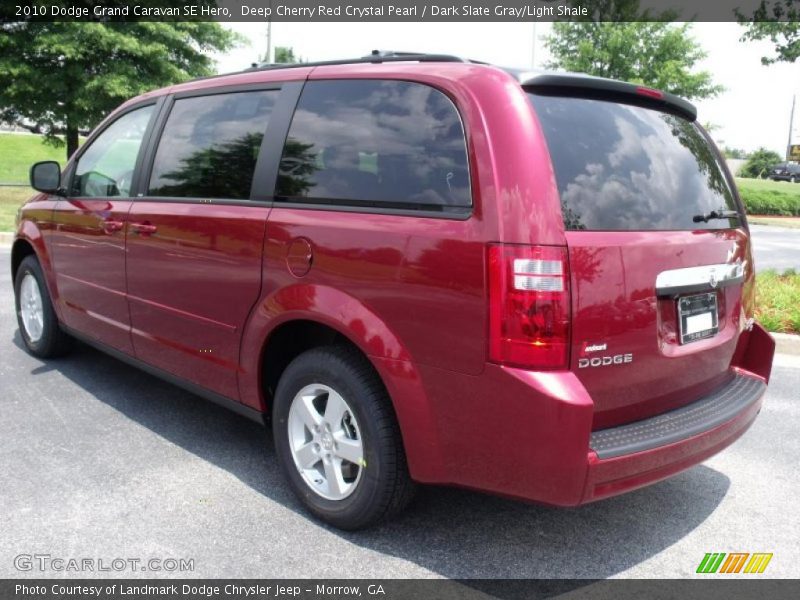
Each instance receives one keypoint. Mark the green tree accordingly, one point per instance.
(778, 22)
(736, 153)
(759, 163)
(285, 54)
(62, 78)
(656, 54)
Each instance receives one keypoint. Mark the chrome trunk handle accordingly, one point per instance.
(698, 279)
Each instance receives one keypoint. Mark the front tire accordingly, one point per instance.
(36, 319)
(337, 439)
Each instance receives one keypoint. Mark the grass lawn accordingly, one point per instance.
(767, 185)
(19, 151)
(778, 301)
(10, 200)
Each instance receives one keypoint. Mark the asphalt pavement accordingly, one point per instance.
(775, 247)
(102, 461)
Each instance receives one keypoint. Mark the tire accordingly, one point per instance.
(375, 484)
(36, 319)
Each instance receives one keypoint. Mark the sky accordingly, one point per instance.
(753, 111)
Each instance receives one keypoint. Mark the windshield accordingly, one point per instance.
(622, 167)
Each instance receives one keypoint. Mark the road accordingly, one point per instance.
(775, 247)
(103, 461)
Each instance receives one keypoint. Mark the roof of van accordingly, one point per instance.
(537, 81)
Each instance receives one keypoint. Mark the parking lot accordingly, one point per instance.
(103, 461)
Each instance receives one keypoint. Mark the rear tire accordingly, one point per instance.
(36, 319)
(337, 439)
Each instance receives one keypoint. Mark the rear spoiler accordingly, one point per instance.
(598, 88)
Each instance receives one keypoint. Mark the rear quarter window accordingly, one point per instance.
(375, 143)
(623, 167)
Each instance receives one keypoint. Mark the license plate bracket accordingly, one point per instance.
(698, 317)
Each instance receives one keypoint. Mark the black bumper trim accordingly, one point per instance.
(720, 406)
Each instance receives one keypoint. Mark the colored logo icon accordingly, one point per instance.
(734, 562)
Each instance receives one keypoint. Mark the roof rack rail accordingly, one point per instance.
(376, 56)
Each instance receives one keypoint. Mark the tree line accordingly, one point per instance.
(61, 79)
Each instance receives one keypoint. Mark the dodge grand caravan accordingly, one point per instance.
(416, 269)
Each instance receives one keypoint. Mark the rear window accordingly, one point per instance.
(375, 143)
(622, 167)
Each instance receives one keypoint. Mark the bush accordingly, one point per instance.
(759, 163)
(770, 198)
(766, 202)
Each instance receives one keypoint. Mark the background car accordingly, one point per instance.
(786, 171)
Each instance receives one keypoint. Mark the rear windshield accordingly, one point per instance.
(622, 167)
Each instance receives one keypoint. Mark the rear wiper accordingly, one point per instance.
(716, 214)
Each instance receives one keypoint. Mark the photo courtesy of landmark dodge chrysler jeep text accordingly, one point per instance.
(415, 269)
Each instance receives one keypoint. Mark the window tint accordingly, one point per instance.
(210, 144)
(622, 167)
(105, 168)
(375, 143)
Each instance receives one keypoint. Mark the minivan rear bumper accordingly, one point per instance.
(528, 435)
(631, 456)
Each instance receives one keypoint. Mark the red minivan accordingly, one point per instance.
(417, 269)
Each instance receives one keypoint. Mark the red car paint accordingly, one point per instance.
(198, 290)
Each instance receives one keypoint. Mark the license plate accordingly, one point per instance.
(697, 317)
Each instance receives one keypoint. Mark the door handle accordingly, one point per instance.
(144, 228)
(111, 225)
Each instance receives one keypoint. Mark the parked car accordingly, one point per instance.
(787, 171)
(416, 269)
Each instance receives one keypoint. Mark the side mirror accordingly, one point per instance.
(46, 177)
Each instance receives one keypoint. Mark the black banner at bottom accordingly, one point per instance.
(395, 589)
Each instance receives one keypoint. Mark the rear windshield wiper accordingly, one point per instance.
(716, 214)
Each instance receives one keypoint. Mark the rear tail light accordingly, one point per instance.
(529, 306)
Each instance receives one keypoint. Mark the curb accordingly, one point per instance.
(786, 343)
(6, 237)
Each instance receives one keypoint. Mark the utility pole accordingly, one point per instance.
(268, 58)
(791, 125)
(533, 48)
(269, 41)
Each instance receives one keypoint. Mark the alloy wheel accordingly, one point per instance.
(325, 441)
(30, 307)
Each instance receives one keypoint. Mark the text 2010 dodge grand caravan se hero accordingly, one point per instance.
(418, 269)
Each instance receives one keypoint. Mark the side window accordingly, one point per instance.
(210, 144)
(105, 169)
(375, 143)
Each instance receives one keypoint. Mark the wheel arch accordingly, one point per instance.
(286, 324)
(286, 342)
(30, 242)
(21, 249)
